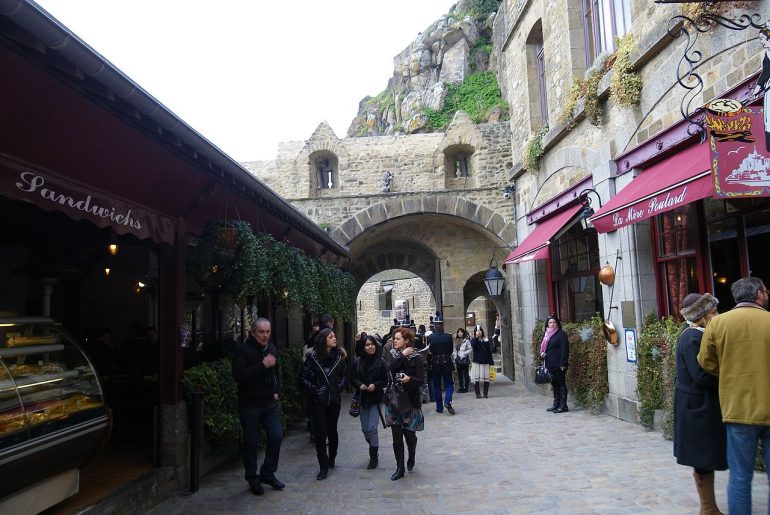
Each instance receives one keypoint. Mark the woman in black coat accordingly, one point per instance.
(555, 351)
(324, 376)
(407, 366)
(700, 439)
(482, 360)
(368, 378)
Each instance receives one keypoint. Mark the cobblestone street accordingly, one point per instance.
(504, 454)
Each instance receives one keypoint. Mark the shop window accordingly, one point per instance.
(458, 161)
(676, 243)
(603, 21)
(574, 280)
(536, 78)
(738, 242)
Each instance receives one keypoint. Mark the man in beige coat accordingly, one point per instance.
(736, 348)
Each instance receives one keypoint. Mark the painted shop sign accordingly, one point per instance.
(54, 193)
(740, 160)
(647, 207)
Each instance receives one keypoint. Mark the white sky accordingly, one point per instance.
(247, 74)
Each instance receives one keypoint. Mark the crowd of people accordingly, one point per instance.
(721, 402)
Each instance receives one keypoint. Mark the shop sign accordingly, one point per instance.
(740, 160)
(54, 193)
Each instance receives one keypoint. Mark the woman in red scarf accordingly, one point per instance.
(554, 349)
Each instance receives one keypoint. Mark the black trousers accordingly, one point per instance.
(559, 383)
(325, 418)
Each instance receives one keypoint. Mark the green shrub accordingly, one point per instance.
(478, 95)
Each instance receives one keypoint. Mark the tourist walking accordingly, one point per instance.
(736, 349)
(368, 378)
(554, 349)
(324, 376)
(255, 372)
(462, 355)
(406, 366)
(441, 350)
(482, 360)
(700, 440)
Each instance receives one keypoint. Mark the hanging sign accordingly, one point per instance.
(740, 161)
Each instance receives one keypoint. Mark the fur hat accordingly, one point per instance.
(695, 306)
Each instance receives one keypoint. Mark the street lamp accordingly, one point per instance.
(494, 280)
(588, 211)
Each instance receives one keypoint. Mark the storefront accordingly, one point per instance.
(102, 191)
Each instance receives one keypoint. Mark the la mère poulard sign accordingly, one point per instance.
(739, 138)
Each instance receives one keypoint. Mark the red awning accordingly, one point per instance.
(674, 182)
(535, 246)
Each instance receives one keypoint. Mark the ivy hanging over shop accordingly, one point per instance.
(587, 372)
(533, 150)
(230, 259)
(656, 355)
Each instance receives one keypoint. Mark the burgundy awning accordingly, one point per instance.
(674, 182)
(535, 246)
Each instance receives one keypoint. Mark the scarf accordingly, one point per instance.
(546, 337)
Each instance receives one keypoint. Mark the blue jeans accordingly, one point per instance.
(370, 417)
(439, 373)
(741, 452)
(269, 418)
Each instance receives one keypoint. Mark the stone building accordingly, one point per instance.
(430, 204)
(628, 158)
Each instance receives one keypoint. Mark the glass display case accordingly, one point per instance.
(52, 411)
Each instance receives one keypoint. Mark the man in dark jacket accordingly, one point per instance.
(441, 347)
(254, 368)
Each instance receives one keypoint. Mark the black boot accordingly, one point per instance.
(486, 389)
(556, 399)
(323, 464)
(562, 400)
(476, 389)
(373, 458)
(411, 445)
(398, 451)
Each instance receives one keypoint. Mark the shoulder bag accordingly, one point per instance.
(542, 375)
(395, 396)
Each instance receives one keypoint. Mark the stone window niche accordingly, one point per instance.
(325, 170)
(458, 164)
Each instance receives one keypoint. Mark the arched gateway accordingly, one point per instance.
(442, 227)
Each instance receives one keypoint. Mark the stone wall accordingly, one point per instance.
(586, 150)
(371, 319)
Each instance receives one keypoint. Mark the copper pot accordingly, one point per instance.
(608, 328)
(607, 275)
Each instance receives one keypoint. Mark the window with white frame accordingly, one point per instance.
(603, 21)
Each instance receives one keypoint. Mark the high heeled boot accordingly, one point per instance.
(398, 451)
(411, 446)
(486, 389)
(476, 389)
(556, 399)
(373, 458)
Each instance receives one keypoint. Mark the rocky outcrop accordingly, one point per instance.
(450, 49)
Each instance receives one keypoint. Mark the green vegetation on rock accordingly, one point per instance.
(478, 95)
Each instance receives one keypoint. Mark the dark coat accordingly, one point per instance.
(557, 351)
(441, 347)
(369, 371)
(324, 377)
(482, 351)
(700, 438)
(414, 367)
(256, 384)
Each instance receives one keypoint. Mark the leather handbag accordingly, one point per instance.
(395, 397)
(542, 375)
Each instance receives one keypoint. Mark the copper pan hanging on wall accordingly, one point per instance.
(607, 275)
(608, 328)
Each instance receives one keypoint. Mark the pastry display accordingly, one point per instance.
(16, 341)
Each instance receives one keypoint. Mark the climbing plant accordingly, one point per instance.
(656, 355)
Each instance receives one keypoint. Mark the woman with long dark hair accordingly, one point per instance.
(700, 437)
(324, 376)
(554, 349)
(368, 378)
(407, 366)
(482, 360)
(462, 359)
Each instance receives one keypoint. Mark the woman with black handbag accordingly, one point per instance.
(368, 378)
(462, 356)
(554, 349)
(407, 367)
(324, 376)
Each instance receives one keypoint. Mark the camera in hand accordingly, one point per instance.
(400, 376)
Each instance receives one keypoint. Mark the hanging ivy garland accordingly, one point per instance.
(262, 266)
